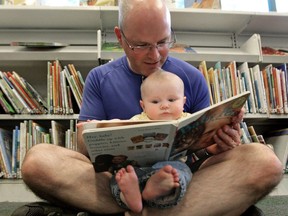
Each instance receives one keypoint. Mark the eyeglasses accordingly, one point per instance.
(146, 47)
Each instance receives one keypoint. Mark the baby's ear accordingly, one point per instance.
(142, 105)
(184, 100)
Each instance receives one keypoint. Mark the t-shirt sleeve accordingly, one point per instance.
(92, 105)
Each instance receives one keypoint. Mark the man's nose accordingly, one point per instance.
(153, 52)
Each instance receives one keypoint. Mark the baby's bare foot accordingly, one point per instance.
(130, 193)
(161, 183)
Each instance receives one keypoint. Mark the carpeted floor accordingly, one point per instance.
(271, 206)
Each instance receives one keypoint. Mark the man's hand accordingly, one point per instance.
(228, 137)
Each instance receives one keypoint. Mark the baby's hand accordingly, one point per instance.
(81, 123)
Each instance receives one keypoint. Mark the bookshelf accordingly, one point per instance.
(214, 34)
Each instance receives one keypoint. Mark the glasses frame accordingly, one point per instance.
(146, 48)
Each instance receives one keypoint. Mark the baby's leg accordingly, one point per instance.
(130, 193)
(161, 183)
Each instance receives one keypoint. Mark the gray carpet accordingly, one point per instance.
(274, 205)
(271, 206)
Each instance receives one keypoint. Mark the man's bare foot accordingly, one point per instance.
(161, 183)
(130, 193)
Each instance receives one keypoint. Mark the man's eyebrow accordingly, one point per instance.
(163, 39)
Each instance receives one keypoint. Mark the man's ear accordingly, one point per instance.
(117, 32)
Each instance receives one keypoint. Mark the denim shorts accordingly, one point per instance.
(144, 173)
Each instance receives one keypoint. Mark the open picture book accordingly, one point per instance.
(145, 142)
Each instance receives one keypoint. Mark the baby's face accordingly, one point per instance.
(164, 102)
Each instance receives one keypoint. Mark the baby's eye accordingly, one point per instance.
(172, 100)
(154, 101)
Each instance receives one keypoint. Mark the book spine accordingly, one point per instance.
(72, 87)
(284, 91)
(264, 108)
(267, 92)
(271, 89)
(6, 150)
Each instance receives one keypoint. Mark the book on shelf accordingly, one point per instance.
(28, 134)
(64, 88)
(14, 98)
(203, 68)
(6, 152)
(221, 81)
(279, 140)
(182, 48)
(15, 151)
(150, 141)
(5, 105)
(211, 4)
(245, 74)
(232, 73)
(273, 51)
(27, 92)
(57, 133)
(271, 88)
(20, 94)
(284, 85)
(259, 88)
(77, 96)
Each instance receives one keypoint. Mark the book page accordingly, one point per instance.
(197, 132)
(144, 145)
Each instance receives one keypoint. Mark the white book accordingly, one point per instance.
(147, 142)
(244, 70)
(260, 83)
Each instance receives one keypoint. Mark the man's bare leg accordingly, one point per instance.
(228, 183)
(161, 183)
(67, 178)
(127, 181)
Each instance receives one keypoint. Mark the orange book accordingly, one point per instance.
(232, 69)
(266, 87)
(76, 78)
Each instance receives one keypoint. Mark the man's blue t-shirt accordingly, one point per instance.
(113, 90)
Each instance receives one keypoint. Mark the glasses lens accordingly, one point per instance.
(146, 48)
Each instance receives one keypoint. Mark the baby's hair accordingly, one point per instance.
(161, 76)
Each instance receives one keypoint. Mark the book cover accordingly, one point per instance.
(15, 151)
(221, 80)
(271, 88)
(233, 77)
(203, 69)
(245, 72)
(147, 142)
(262, 93)
(71, 81)
(10, 93)
(284, 85)
(27, 97)
(6, 151)
(58, 133)
(6, 106)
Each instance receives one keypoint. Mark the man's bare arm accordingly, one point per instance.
(80, 141)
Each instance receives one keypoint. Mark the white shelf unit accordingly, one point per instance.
(215, 35)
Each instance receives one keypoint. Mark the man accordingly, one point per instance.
(227, 183)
